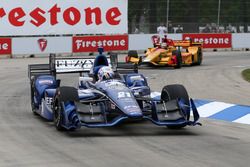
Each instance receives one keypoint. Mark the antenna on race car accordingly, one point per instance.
(52, 58)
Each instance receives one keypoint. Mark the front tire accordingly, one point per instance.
(199, 57)
(58, 115)
(178, 59)
(63, 94)
(171, 92)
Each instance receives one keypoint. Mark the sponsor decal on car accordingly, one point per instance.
(123, 95)
(211, 40)
(91, 43)
(46, 82)
(136, 78)
(73, 65)
(112, 106)
(115, 85)
(132, 109)
(5, 46)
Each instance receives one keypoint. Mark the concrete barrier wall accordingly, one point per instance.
(43, 45)
(241, 40)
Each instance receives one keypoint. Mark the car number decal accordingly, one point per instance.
(124, 95)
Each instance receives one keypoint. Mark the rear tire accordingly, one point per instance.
(133, 53)
(32, 94)
(199, 57)
(171, 92)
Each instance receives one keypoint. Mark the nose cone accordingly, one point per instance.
(147, 60)
(133, 111)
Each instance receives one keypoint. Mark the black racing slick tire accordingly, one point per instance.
(63, 94)
(133, 53)
(177, 53)
(199, 57)
(171, 92)
(32, 94)
(58, 114)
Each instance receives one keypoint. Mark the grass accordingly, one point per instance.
(246, 74)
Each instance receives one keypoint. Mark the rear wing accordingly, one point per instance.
(38, 69)
(62, 65)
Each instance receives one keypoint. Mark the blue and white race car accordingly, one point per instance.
(104, 98)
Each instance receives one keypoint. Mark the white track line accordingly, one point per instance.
(245, 119)
(212, 108)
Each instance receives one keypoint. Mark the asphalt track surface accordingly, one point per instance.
(27, 140)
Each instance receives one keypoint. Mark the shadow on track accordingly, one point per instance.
(126, 129)
(131, 130)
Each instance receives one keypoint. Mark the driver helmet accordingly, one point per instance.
(188, 39)
(164, 45)
(105, 73)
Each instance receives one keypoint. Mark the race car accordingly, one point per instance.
(107, 94)
(173, 53)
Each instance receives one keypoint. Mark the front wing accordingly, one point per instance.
(75, 119)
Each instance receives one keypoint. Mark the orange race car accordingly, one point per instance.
(167, 52)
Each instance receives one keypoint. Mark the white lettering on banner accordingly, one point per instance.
(212, 40)
(108, 42)
(4, 46)
(104, 43)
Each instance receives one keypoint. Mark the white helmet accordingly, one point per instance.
(105, 73)
(164, 45)
(188, 39)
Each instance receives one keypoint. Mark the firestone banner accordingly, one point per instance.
(43, 17)
(5, 46)
(91, 43)
(211, 40)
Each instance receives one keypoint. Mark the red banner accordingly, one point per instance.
(211, 40)
(5, 46)
(91, 43)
